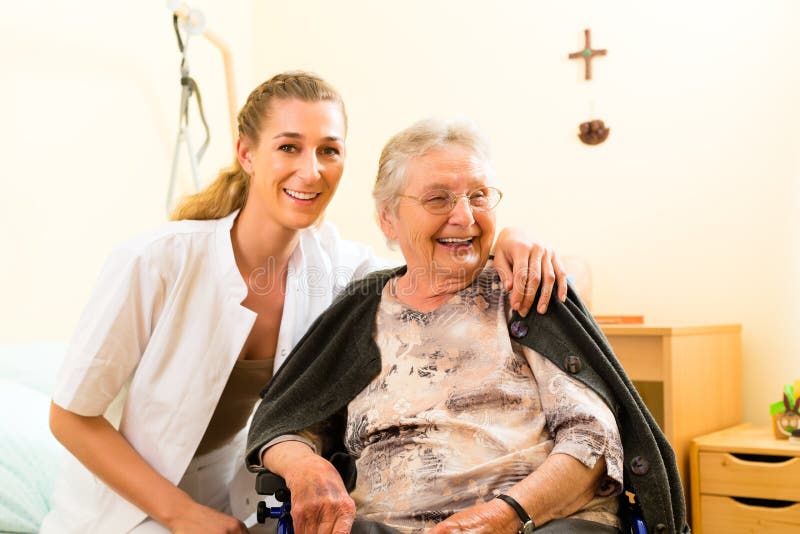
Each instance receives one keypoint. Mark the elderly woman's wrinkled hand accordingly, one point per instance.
(320, 502)
(523, 265)
(492, 517)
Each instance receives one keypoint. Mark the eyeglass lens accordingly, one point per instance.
(443, 201)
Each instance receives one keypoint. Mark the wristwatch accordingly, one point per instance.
(527, 523)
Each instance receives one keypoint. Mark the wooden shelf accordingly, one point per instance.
(667, 330)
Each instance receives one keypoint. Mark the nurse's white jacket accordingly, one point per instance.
(166, 317)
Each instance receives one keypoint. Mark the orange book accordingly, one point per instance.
(619, 319)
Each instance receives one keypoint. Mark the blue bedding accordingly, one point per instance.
(29, 455)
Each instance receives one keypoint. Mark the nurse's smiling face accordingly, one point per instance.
(296, 166)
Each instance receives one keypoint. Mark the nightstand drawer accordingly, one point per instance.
(745, 480)
(724, 514)
(738, 475)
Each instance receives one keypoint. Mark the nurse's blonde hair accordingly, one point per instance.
(228, 191)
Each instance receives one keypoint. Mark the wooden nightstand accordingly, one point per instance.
(745, 480)
(688, 376)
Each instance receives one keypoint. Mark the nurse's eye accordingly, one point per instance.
(289, 148)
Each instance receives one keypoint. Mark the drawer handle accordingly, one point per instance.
(763, 458)
(764, 503)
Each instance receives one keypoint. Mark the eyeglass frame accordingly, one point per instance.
(454, 198)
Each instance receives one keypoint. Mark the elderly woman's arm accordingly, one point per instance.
(560, 487)
(586, 460)
(320, 502)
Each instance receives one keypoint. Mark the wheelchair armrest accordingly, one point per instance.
(268, 483)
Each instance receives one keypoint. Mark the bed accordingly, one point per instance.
(29, 455)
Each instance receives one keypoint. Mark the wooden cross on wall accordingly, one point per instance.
(588, 53)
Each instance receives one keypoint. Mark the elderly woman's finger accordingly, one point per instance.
(548, 280)
(333, 516)
(343, 524)
(332, 525)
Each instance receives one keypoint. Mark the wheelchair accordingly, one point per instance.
(268, 483)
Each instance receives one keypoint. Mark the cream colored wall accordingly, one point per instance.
(688, 213)
(89, 104)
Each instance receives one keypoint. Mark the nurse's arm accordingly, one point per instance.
(107, 454)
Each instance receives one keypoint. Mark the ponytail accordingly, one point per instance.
(220, 198)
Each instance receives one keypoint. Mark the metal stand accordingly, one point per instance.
(188, 89)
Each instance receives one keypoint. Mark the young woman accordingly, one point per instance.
(194, 317)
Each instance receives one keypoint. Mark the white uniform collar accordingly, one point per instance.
(230, 277)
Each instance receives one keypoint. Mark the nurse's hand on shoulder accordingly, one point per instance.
(200, 519)
(524, 265)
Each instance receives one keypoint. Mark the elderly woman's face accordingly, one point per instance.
(449, 248)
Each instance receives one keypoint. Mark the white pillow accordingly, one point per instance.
(30, 457)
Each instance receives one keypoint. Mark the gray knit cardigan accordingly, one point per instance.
(338, 357)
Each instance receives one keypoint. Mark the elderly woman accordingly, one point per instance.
(457, 414)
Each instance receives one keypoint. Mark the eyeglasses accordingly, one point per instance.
(442, 201)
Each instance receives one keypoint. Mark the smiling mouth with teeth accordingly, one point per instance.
(300, 196)
(456, 240)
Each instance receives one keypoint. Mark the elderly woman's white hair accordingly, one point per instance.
(417, 140)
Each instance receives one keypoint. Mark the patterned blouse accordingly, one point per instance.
(461, 412)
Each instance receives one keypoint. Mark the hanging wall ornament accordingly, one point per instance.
(588, 54)
(593, 132)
